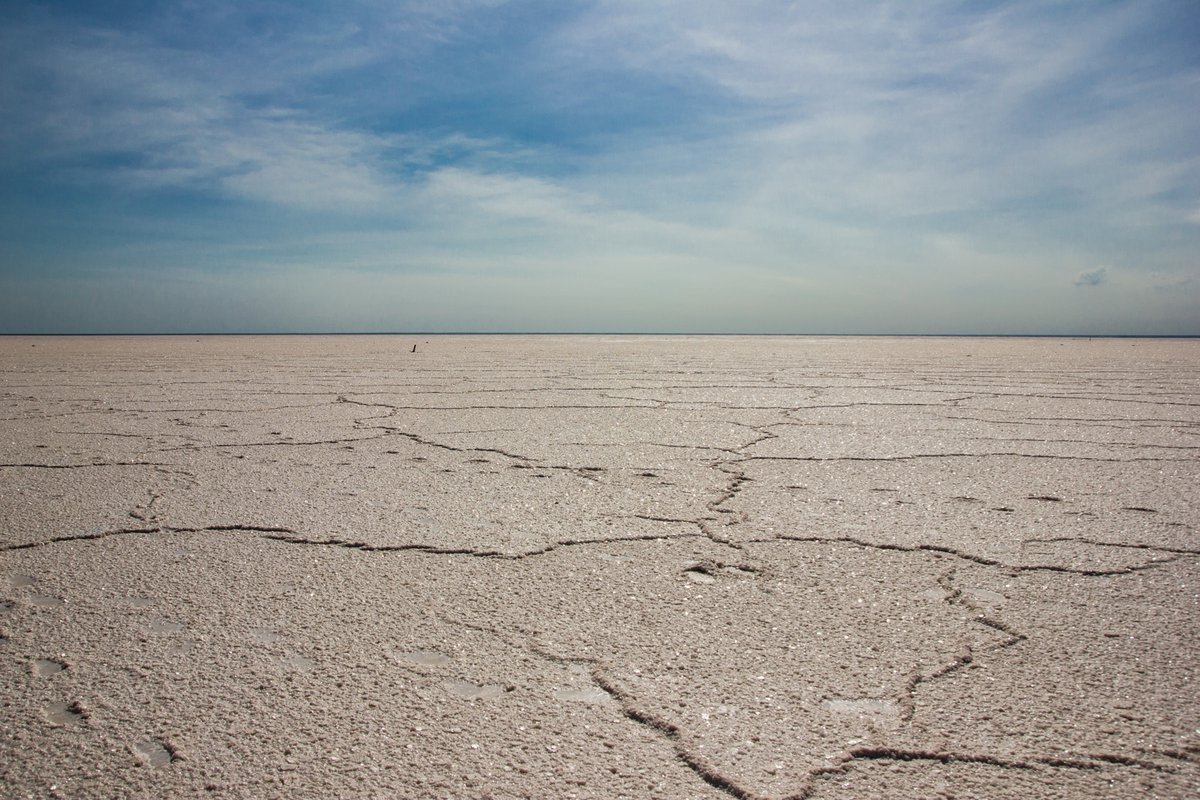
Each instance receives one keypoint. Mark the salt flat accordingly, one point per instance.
(599, 567)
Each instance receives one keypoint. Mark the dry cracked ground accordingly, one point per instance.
(599, 567)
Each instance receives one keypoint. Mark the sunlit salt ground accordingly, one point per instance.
(599, 567)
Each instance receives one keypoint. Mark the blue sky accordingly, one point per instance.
(769, 167)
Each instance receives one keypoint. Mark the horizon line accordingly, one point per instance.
(619, 333)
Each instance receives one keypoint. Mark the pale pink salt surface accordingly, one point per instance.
(599, 567)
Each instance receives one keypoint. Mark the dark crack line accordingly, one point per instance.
(1126, 545)
(987, 562)
(895, 754)
(422, 440)
(1089, 761)
(88, 465)
(146, 513)
(956, 597)
(451, 448)
(672, 733)
(85, 537)
(642, 443)
(1139, 425)
(393, 411)
(737, 479)
(395, 408)
(1128, 761)
(864, 404)
(292, 537)
(1190, 755)
(653, 518)
(554, 407)
(115, 435)
(81, 537)
(581, 471)
(686, 405)
(234, 445)
(925, 456)
(625, 702)
(1133, 423)
(983, 393)
(1125, 445)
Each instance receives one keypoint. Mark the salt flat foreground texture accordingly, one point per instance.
(599, 567)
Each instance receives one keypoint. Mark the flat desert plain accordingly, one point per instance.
(599, 566)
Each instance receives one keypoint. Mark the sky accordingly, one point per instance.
(606, 166)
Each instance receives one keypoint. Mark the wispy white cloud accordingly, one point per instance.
(107, 105)
(906, 109)
(140, 117)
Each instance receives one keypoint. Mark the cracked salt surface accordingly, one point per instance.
(665, 567)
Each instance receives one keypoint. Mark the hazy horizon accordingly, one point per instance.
(942, 168)
(621, 334)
